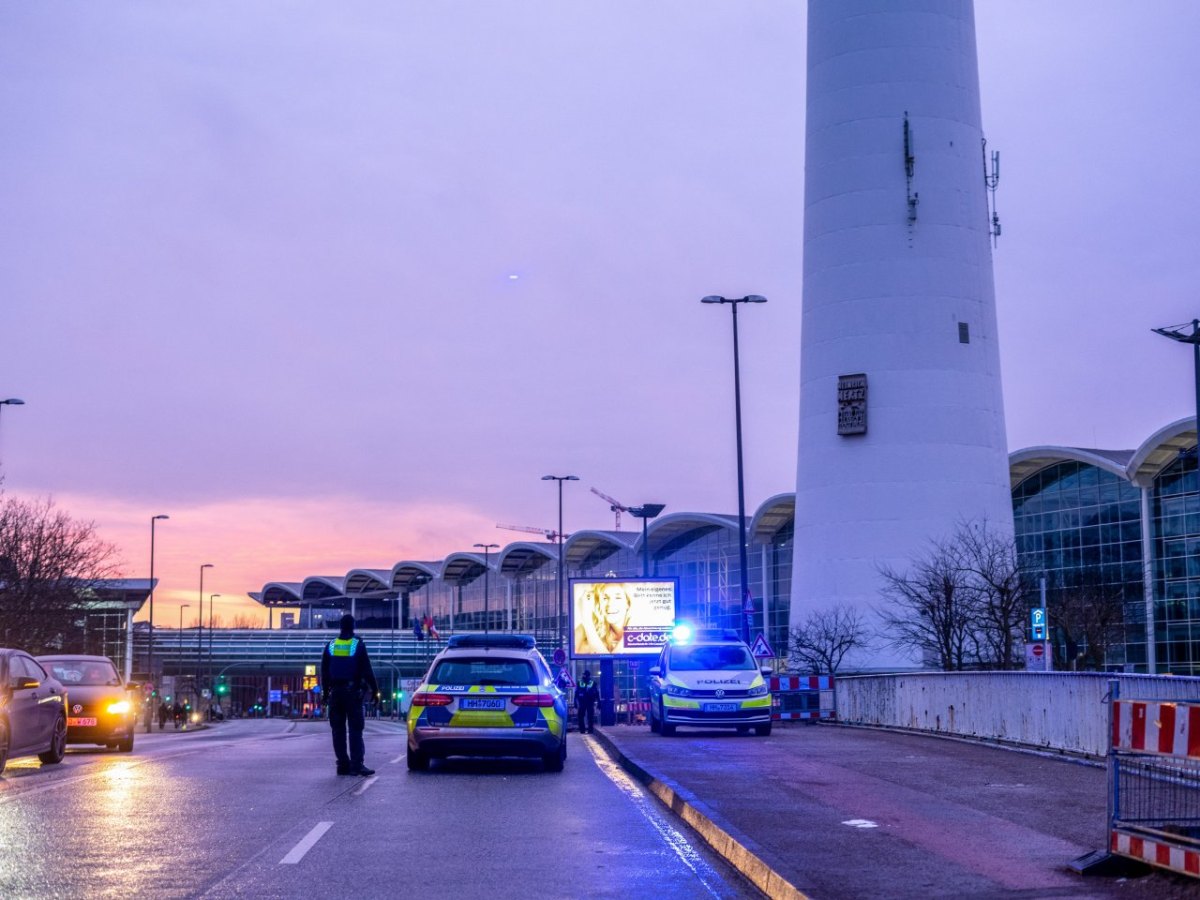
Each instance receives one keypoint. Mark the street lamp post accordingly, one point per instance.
(200, 623)
(746, 602)
(487, 548)
(646, 512)
(560, 479)
(211, 686)
(182, 607)
(150, 655)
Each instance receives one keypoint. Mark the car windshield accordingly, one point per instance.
(84, 672)
(483, 671)
(710, 659)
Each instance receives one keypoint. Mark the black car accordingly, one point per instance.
(100, 710)
(33, 710)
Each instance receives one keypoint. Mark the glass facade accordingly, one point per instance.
(1175, 514)
(1081, 526)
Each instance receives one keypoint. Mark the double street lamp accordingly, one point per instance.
(646, 512)
(487, 618)
(746, 605)
(560, 479)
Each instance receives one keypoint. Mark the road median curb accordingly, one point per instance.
(740, 851)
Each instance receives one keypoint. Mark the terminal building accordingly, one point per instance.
(1125, 522)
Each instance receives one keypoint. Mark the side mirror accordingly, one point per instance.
(656, 671)
(24, 683)
(766, 670)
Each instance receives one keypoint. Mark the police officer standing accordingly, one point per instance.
(345, 677)
(587, 695)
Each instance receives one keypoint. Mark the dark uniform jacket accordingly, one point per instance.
(351, 672)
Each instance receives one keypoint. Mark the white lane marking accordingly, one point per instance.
(366, 784)
(674, 839)
(397, 759)
(860, 823)
(306, 844)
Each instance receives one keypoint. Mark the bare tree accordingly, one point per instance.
(931, 608)
(244, 620)
(1090, 617)
(50, 566)
(998, 597)
(822, 640)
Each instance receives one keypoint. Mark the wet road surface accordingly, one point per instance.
(255, 809)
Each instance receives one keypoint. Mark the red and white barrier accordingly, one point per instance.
(801, 697)
(1156, 853)
(1157, 727)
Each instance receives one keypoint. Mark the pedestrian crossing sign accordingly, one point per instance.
(761, 649)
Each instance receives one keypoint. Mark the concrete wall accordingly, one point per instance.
(1054, 710)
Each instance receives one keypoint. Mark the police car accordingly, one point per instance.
(708, 678)
(488, 695)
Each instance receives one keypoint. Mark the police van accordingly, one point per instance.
(708, 678)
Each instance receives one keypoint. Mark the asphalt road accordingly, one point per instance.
(255, 809)
(853, 813)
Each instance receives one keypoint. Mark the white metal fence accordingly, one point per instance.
(1050, 710)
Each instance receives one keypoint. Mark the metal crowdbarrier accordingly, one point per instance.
(1154, 782)
(802, 697)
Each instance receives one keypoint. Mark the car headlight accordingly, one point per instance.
(757, 691)
(119, 708)
(676, 691)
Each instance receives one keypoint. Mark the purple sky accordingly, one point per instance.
(258, 259)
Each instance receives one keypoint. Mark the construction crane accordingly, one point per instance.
(615, 505)
(549, 533)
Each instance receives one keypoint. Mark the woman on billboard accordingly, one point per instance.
(601, 618)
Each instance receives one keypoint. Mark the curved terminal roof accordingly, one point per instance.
(585, 549)
(525, 556)
(323, 587)
(281, 593)
(410, 575)
(772, 514)
(462, 568)
(670, 533)
(369, 582)
(1031, 460)
(1161, 449)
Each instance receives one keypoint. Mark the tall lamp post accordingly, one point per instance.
(211, 686)
(150, 655)
(746, 602)
(1175, 333)
(182, 607)
(560, 479)
(487, 548)
(200, 623)
(646, 512)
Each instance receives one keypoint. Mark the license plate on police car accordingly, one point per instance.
(88, 722)
(722, 707)
(482, 703)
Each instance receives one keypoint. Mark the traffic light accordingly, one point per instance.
(222, 686)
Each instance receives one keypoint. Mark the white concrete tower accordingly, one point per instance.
(899, 302)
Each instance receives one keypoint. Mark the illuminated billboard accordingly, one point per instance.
(625, 617)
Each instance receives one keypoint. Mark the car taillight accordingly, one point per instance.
(431, 699)
(533, 700)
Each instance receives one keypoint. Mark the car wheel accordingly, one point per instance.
(555, 760)
(655, 724)
(3, 745)
(417, 761)
(665, 727)
(58, 743)
(763, 730)
(125, 746)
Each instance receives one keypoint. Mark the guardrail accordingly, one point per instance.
(1063, 711)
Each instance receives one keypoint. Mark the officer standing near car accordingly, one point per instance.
(346, 676)
(587, 695)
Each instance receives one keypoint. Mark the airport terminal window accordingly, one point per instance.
(1080, 524)
(1175, 514)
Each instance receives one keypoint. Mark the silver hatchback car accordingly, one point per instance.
(488, 695)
